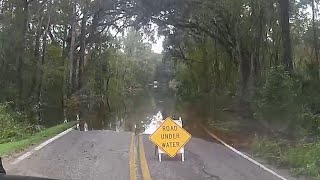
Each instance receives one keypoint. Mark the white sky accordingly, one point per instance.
(157, 46)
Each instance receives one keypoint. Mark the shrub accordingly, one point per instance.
(305, 159)
(11, 128)
(311, 122)
(301, 158)
(271, 150)
(277, 101)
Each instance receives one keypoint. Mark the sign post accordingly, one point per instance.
(170, 138)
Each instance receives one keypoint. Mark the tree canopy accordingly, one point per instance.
(55, 51)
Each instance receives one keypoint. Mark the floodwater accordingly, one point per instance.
(145, 108)
(138, 115)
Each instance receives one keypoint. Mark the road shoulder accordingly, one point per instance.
(14, 149)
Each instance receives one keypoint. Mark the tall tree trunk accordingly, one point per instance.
(245, 66)
(43, 56)
(256, 64)
(245, 71)
(286, 39)
(205, 69)
(82, 47)
(22, 10)
(216, 69)
(64, 56)
(315, 38)
(73, 64)
(36, 57)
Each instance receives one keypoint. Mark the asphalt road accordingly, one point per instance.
(80, 155)
(203, 160)
(107, 155)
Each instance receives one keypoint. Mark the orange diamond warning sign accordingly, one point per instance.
(170, 137)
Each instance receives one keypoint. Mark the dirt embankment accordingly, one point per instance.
(235, 131)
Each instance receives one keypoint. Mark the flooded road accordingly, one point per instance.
(137, 112)
(117, 146)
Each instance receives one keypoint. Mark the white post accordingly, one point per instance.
(182, 157)
(182, 150)
(159, 157)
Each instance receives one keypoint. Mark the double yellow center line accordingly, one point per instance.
(142, 158)
(132, 161)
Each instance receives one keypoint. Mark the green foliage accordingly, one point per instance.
(271, 150)
(72, 106)
(276, 102)
(311, 122)
(186, 88)
(11, 128)
(304, 159)
(286, 102)
(14, 146)
(310, 95)
(114, 72)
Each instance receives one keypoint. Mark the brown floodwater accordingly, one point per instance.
(145, 105)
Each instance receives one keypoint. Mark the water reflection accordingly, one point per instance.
(156, 120)
(137, 114)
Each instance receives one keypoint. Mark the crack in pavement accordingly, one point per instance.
(209, 174)
(203, 169)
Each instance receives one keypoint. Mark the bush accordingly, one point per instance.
(11, 128)
(310, 95)
(301, 158)
(305, 160)
(276, 102)
(271, 150)
(311, 122)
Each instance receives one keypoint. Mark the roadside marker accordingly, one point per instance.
(244, 156)
(26, 155)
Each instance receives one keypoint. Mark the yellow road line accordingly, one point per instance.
(144, 165)
(132, 162)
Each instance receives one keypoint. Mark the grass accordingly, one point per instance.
(304, 159)
(301, 158)
(11, 147)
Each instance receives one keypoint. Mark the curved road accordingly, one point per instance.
(102, 155)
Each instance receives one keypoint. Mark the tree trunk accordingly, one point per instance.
(73, 64)
(257, 45)
(205, 72)
(82, 47)
(36, 58)
(64, 56)
(216, 69)
(286, 39)
(43, 56)
(315, 37)
(22, 10)
(245, 71)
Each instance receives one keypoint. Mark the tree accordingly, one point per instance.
(285, 33)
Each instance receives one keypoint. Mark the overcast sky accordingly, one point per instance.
(157, 47)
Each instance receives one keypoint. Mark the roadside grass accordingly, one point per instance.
(302, 158)
(11, 147)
